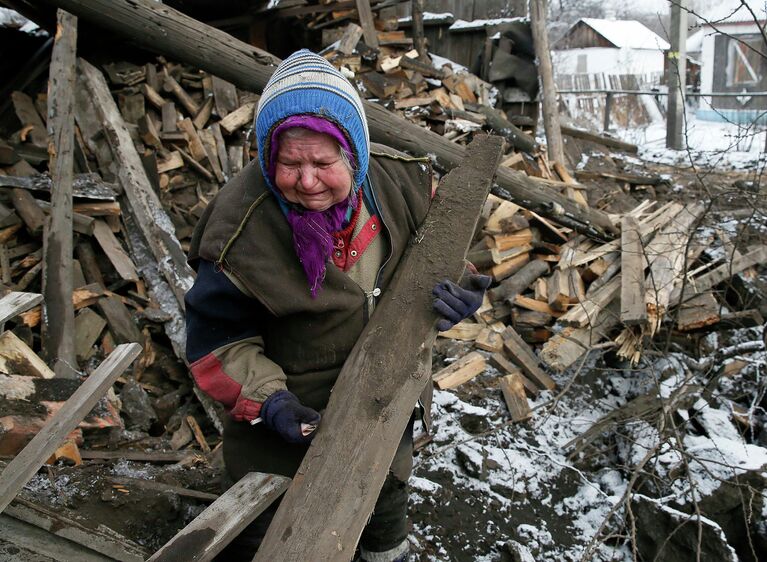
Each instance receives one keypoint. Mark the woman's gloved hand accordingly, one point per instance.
(454, 302)
(283, 413)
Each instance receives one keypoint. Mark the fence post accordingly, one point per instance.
(608, 107)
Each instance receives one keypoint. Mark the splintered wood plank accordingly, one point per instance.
(209, 142)
(567, 346)
(350, 38)
(114, 251)
(514, 395)
(15, 303)
(121, 324)
(324, 512)
(153, 222)
(238, 118)
(460, 371)
(702, 310)
(203, 538)
(535, 305)
(584, 313)
(82, 297)
(16, 358)
(28, 461)
(366, 21)
(633, 308)
(666, 256)
(196, 148)
(558, 290)
(520, 352)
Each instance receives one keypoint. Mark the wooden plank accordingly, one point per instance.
(350, 38)
(170, 85)
(163, 30)
(513, 390)
(29, 211)
(535, 305)
(698, 312)
(153, 96)
(633, 308)
(328, 507)
(520, 352)
(162, 488)
(196, 148)
(58, 331)
(584, 313)
(88, 328)
(558, 290)
(155, 225)
(460, 371)
(114, 251)
(84, 296)
(138, 456)
(203, 116)
(238, 118)
(42, 446)
(16, 358)
(75, 528)
(509, 267)
(203, 538)
(15, 303)
(366, 21)
(121, 324)
(489, 340)
(173, 161)
(599, 139)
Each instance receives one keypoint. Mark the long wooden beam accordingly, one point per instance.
(59, 327)
(162, 29)
(327, 506)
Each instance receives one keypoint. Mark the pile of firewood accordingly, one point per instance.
(568, 295)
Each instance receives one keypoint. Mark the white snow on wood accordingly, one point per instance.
(629, 34)
(464, 25)
(14, 20)
(446, 17)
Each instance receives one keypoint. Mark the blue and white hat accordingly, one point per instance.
(307, 84)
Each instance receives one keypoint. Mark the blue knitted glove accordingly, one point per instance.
(283, 413)
(455, 303)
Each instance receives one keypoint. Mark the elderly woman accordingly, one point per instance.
(291, 258)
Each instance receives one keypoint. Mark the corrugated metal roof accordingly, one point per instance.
(629, 34)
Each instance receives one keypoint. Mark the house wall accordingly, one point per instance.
(719, 74)
(607, 60)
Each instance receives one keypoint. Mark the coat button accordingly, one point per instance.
(376, 292)
(373, 226)
(338, 253)
(353, 253)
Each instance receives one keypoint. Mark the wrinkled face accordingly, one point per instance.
(310, 172)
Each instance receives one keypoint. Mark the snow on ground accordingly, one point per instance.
(711, 144)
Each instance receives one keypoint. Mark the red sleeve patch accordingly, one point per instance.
(209, 375)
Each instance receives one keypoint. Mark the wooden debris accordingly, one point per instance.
(633, 308)
(523, 356)
(514, 394)
(701, 310)
(16, 358)
(460, 371)
(465, 331)
(42, 446)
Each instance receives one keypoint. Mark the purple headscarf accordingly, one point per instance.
(313, 231)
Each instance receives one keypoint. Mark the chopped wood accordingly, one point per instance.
(519, 238)
(170, 85)
(16, 358)
(558, 290)
(500, 362)
(29, 211)
(514, 394)
(465, 331)
(30, 119)
(489, 340)
(29, 460)
(196, 148)
(506, 210)
(153, 96)
(413, 102)
(224, 519)
(238, 118)
(121, 324)
(225, 95)
(88, 328)
(203, 116)
(599, 139)
(509, 267)
(523, 356)
(535, 305)
(114, 251)
(198, 435)
(172, 162)
(460, 371)
(209, 142)
(84, 296)
(701, 310)
(520, 281)
(350, 38)
(633, 308)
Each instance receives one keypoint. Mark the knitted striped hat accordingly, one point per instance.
(307, 84)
